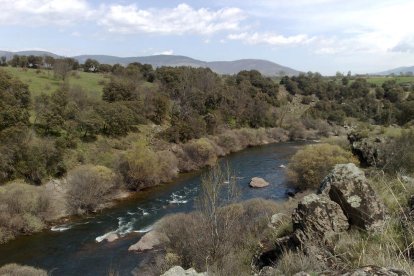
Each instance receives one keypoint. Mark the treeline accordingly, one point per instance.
(192, 102)
(344, 96)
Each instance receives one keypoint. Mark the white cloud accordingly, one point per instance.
(43, 12)
(166, 52)
(271, 39)
(182, 19)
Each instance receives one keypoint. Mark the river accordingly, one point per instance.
(74, 248)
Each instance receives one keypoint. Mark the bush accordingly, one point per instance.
(22, 209)
(141, 167)
(311, 164)
(21, 270)
(240, 226)
(88, 187)
(399, 153)
(200, 152)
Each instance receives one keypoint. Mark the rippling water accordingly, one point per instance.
(79, 248)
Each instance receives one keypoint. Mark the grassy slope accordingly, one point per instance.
(45, 82)
(399, 79)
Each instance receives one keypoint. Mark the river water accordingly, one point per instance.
(76, 248)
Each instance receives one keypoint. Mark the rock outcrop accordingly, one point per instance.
(317, 218)
(179, 271)
(346, 185)
(370, 150)
(258, 182)
(374, 270)
(148, 241)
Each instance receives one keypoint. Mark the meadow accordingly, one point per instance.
(43, 81)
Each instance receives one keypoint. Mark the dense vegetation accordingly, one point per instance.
(137, 126)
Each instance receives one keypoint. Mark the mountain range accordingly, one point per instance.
(399, 70)
(265, 67)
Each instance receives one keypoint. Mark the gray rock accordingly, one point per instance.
(346, 185)
(370, 150)
(148, 241)
(179, 271)
(375, 270)
(258, 182)
(317, 218)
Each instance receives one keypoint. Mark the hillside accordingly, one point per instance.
(398, 71)
(265, 67)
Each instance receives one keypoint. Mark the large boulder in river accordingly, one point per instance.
(346, 185)
(317, 218)
(179, 271)
(258, 182)
(148, 241)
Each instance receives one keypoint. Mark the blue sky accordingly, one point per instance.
(319, 35)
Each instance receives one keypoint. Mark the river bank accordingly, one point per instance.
(75, 250)
(190, 157)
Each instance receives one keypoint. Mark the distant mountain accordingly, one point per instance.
(9, 55)
(265, 67)
(398, 70)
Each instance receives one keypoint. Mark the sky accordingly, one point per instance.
(326, 36)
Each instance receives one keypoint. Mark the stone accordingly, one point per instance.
(258, 182)
(316, 218)
(375, 270)
(179, 271)
(347, 185)
(148, 241)
(368, 149)
(112, 237)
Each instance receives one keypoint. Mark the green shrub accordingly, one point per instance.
(141, 167)
(311, 164)
(88, 187)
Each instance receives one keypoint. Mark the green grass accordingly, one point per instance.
(45, 82)
(382, 79)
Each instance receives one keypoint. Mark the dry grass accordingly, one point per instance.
(21, 270)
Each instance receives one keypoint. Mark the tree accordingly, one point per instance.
(49, 62)
(91, 65)
(119, 90)
(3, 61)
(89, 122)
(61, 68)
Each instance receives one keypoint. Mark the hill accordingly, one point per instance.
(265, 67)
(398, 71)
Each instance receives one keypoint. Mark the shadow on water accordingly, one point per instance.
(73, 249)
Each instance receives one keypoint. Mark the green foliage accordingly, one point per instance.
(311, 164)
(119, 90)
(14, 102)
(141, 167)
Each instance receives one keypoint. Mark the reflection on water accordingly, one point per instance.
(79, 248)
